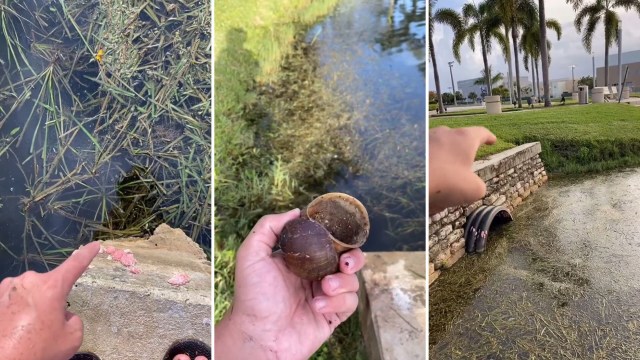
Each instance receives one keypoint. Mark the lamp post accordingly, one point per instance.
(455, 102)
(573, 79)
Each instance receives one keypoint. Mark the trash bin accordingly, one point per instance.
(583, 94)
(494, 106)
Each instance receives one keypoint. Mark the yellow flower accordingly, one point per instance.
(100, 55)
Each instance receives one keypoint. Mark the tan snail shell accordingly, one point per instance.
(330, 225)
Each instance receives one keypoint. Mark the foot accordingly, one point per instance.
(186, 357)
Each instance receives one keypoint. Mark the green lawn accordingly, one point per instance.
(471, 112)
(575, 139)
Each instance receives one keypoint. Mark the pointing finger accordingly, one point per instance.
(71, 269)
(481, 135)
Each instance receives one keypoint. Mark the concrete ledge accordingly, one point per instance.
(137, 316)
(393, 305)
(499, 163)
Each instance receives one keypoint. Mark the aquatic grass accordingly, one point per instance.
(84, 124)
(531, 296)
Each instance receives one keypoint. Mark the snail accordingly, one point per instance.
(330, 225)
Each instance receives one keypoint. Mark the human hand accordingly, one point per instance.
(451, 155)
(275, 314)
(35, 323)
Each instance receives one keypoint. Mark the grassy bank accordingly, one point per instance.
(575, 139)
(272, 119)
(252, 40)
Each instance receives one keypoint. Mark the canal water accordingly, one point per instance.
(372, 54)
(561, 281)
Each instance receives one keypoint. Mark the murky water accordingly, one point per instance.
(74, 159)
(561, 281)
(372, 54)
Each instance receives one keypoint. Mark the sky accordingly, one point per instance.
(564, 53)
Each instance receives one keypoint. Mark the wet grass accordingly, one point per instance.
(542, 289)
(575, 139)
(74, 126)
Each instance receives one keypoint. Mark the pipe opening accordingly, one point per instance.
(480, 222)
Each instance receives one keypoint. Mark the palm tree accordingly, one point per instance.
(600, 11)
(544, 53)
(509, 61)
(452, 19)
(482, 80)
(482, 22)
(532, 50)
(515, 14)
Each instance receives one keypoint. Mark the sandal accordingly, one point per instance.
(85, 356)
(190, 347)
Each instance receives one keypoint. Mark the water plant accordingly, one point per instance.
(104, 119)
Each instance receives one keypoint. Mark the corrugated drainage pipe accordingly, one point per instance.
(478, 224)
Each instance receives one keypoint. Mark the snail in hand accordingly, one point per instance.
(330, 225)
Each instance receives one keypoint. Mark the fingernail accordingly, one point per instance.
(320, 304)
(333, 283)
(348, 262)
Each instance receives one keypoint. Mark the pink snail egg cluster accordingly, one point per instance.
(124, 257)
(180, 279)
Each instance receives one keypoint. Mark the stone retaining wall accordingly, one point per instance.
(511, 176)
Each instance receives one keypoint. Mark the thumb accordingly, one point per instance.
(74, 330)
(264, 235)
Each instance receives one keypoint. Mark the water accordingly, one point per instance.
(75, 159)
(560, 282)
(372, 54)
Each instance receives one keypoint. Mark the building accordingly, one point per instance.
(559, 86)
(467, 86)
(630, 59)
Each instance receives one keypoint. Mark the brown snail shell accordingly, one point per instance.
(330, 225)
(308, 249)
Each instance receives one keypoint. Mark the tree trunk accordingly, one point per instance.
(606, 62)
(436, 76)
(506, 36)
(544, 53)
(537, 78)
(514, 38)
(487, 73)
(533, 78)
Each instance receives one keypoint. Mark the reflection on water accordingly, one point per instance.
(372, 54)
(561, 281)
